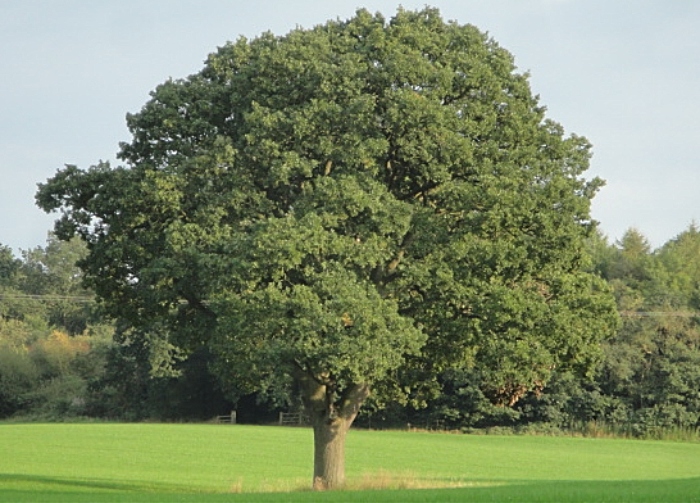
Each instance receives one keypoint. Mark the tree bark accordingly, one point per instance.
(329, 453)
(331, 416)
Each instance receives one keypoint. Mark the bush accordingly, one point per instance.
(18, 376)
(48, 377)
(58, 398)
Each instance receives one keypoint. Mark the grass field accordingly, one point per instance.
(220, 463)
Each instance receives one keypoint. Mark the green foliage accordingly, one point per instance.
(9, 266)
(125, 388)
(53, 274)
(44, 288)
(47, 375)
(52, 341)
(18, 376)
(350, 204)
(647, 382)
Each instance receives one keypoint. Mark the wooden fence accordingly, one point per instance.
(230, 419)
(292, 419)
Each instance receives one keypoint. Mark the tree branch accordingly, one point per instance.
(352, 400)
(197, 304)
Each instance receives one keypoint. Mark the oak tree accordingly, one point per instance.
(333, 210)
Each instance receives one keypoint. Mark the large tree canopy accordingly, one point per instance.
(332, 207)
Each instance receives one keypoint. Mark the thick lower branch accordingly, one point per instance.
(352, 400)
(323, 401)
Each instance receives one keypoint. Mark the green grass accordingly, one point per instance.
(217, 463)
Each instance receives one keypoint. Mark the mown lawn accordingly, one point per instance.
(217, 463)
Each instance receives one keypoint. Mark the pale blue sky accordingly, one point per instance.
(624, 73)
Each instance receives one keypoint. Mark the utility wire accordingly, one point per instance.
(47, 298)
(653, 314)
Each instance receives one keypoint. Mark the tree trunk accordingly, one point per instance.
(329, 453)
(331, 414)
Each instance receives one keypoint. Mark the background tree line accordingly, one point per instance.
(61, 358)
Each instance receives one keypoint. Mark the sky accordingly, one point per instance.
(623, 73)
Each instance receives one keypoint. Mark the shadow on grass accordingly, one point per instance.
(56, 490)
(48, 485)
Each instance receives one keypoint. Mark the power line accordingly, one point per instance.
(653, 314)
(47, 298)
